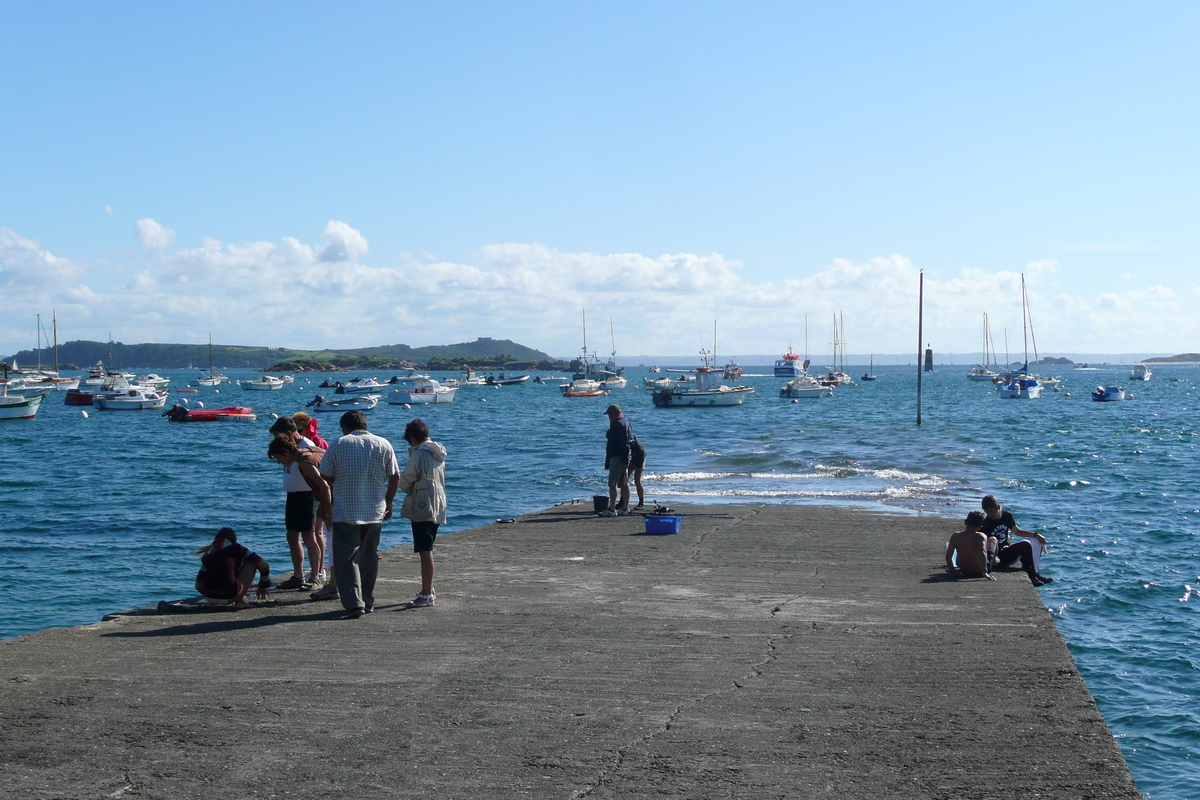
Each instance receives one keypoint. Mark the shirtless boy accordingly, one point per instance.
(969, 548)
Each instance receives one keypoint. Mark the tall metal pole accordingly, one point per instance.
(920, 339)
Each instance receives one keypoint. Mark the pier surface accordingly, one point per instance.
(763, 651)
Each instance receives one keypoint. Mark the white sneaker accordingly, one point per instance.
(622, 512)
(608, 512)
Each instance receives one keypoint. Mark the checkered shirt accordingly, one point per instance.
(359, 464)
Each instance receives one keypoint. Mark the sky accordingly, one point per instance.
(351, 174)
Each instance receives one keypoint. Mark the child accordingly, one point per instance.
(998, 526)
(968, 548)
(227, 568)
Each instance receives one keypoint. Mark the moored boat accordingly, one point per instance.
(17, 406)
(805, 386)
(1021, 387)
(789, 366)
(363, 402)
(1140, 373)
(1108, 394)
(181, 413)
(427, 390)
(264, 383)
(136, 398)
(708, 391)
(361, 386)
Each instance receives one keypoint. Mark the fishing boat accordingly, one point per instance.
(210, 377)
(427, 390)
(789, 366)
(18, 406)
(262, 384)
(870, 375)
(656, 370)
(152, 381)
(707, 391)
(363, 402)
(984, 372)
(1140, 373)
(181, 413)
(1108, 394)
(365, 385)
(136, 398)
(805, 386)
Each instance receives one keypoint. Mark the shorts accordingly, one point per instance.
(639, 459)
(423, 535)
(616, 470)
(298, 514)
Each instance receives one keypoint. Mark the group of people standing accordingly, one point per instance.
(346, 491)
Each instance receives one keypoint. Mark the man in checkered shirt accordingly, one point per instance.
(361, 469)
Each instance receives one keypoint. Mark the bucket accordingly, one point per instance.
(599, 502)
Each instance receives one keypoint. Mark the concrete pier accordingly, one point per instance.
(763, 651)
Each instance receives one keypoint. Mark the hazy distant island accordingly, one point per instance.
(483, 353)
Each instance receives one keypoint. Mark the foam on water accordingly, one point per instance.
(104, 511)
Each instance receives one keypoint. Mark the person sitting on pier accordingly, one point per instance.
(999, 526)
(966, 552)
(227, 568)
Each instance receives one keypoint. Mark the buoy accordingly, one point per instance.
(83, 414)
(483, 399)
(200, 404)
(274, 416)
(183, 401)
(407, 407)
(794, 400)
(218, 391)
(1068, 394)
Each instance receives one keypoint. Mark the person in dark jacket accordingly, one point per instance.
(617, 456)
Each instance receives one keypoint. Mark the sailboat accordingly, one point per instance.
(210, 377)
(984, 371)
(1022, 385)
(612, 377)
(585, 380)
(870, 376)
(45, 379)
(836, 375)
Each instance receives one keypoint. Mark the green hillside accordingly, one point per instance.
(484, 352)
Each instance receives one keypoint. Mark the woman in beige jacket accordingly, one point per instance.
(424, 485)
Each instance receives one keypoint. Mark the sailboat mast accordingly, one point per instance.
(1025, 321)
(55, 325)
(714, 342)
(39, 342)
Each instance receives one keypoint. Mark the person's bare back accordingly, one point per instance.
(968, 549)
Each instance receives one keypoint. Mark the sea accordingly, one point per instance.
(104, 510)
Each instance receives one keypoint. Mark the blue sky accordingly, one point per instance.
(303, 175)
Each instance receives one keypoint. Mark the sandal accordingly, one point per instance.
(421, 601)
(328, 593)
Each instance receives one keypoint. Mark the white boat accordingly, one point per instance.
(18, 406)
(707, 391)
(264, 384)
(29, 388)
(614, 382)
(136, 398)
(582, 387)
(152, 381)
(1140, 373)
(363, 402)
(469, 378)
(509, 380)
(656, 370)
(365, 386)
(1108, 394)
(1022, 388)
(836, 375)
(425, 391)
(209, 377)
(984, 371)
(805, 386)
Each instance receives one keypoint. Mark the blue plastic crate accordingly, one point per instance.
(662, 524)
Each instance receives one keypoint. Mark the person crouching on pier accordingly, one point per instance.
(227, 569)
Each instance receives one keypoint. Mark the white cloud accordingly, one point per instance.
(297, 294)
(108, 209)
(154, 235)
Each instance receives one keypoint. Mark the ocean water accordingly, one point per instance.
(103, 512)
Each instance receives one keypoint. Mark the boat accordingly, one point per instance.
(424, 391)
(1025, 387)
(805, 386)
(708, 390)
(650, 384)
(870, 376)
(136, 398)
(733, 371)
(583, 387)
(210, 377)
(44, 381)
(469, 378)
(613, 379)
(789, 366)
(363, 402)
(836, 375)
(1020, 384)
(656, 370)
(511, 380)
(263, 384)
(114, 384)
(181, 413)
(152, 381)
(984, 372)
(1140, 373)
(1108, 394)
(364, 386)
(18, 406)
